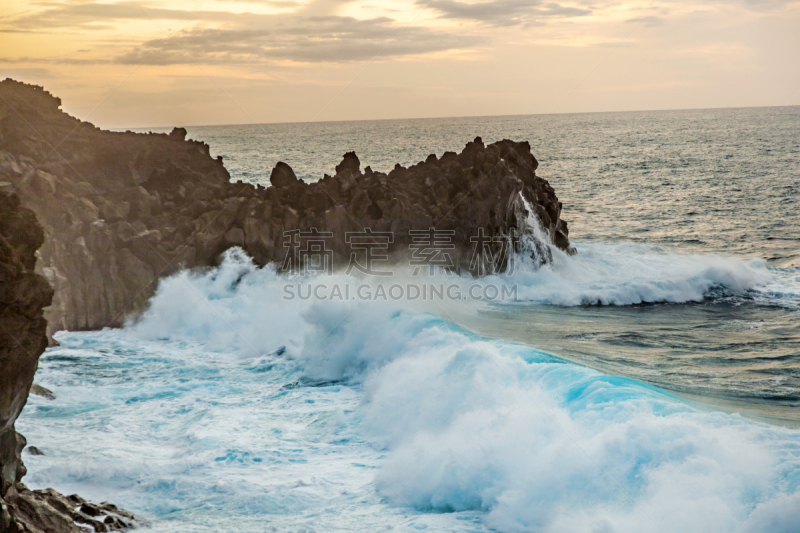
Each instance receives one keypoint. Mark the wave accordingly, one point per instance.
(530, 441)
(629, 274)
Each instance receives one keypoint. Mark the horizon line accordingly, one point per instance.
(307, 122)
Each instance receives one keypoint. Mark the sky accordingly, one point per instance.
(152, 63)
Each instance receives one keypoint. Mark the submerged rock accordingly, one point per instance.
(38, 390)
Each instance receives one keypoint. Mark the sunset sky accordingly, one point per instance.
(193, 62)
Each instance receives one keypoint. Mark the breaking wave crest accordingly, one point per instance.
(630, 273)
(627, 274)
(531, 442)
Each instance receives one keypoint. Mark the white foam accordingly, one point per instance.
(625, 274)
(545, 446)
(537, 444)
(450, 423)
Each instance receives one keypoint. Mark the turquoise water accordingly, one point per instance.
(222, 411)
(603, 399)
(687, 207)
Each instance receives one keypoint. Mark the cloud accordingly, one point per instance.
(93, 15)
(503, 12)
(301, 39)
(282, 4)
(224, 37)
(649, 21)
(102, 16)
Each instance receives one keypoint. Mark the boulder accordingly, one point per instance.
(350, 163)
(282, 175)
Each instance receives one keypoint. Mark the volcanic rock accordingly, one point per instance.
(23, 295)
(282, 175)
(121, 210)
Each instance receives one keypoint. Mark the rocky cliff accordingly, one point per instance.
(120, 210)
(23, 295)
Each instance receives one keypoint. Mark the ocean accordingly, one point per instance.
(649, 383)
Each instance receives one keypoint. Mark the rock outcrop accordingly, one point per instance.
(120, 210)
(23, 295)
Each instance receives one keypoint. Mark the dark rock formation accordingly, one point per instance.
(121, 210)
(47, 511)
(282, 175)
(349, 163)
(118, 209)
(23, 295)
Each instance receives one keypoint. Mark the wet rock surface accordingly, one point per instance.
(120, 210)
(23, 295)
(47, 511)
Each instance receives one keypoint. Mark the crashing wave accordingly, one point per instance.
(531, 442)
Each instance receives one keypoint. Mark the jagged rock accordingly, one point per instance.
(121, 210)
(282, 175)
(350, 163)
(47, 511)
(23, 294)
(178, 133)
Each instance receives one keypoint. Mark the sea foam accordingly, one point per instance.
(628, 273)
(530, 441)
